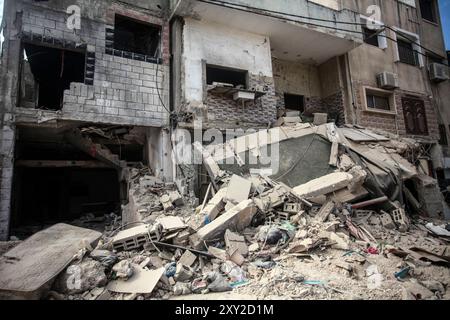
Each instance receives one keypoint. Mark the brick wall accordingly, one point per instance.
(124, 90)
(332, 105)
(394, 123)
(222, 109)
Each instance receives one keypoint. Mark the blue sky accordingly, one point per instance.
(445, 15)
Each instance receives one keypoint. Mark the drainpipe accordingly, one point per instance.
(352, 92)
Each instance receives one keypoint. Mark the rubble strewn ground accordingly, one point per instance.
(259, 238)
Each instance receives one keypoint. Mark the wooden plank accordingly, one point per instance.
(27, 270)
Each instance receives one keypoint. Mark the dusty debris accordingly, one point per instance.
(142, 281)
(84, 276)
(340, 235)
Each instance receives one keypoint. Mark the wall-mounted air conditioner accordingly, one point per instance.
(438, 72)
(387, 80)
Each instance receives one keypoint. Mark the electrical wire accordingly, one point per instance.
(282, 15)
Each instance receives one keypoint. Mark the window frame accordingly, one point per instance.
(381, 37)
(414, 39)
(145, 24)
(390, 95)
(226, 68)
(434, 11)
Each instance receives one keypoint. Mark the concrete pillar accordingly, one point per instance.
(6, 177)
(159, 151)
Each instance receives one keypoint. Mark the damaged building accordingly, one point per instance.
(97, 100)
(79, 105)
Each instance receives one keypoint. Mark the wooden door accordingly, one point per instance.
(415, 117)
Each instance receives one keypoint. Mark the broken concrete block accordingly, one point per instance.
(234, 241)
(325, 211)
(323, 185)
(320, 118)
(292, 207)
(166, 202)
(218, 253)
(237, 218)
(136, 237)
(359, 176)
(187, 259)
(123, 269)
(89, 273)
(156, 262)
(284, 216)
(345, 162)
(170, 223)
(386, 220)
(341, 241)
(215, 205)
(176, 198)
(210, 164)
(401, 219)
(272, 198)
(236, 257)
(238, 190)
(253, 247)
(183, 273)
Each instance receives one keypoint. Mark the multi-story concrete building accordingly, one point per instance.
(84, 89)
(79, 101)
(376, 64)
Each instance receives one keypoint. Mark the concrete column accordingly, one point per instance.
(6, 177)
(159, 150)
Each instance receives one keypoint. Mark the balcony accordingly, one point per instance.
(299, 30)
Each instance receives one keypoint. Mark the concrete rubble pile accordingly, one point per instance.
(355, 228)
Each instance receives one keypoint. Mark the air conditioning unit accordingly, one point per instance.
(438, 72)
(387, 80)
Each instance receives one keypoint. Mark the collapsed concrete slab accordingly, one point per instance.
(28, 270)
(215, 205)
(237, 219)
(323, 185)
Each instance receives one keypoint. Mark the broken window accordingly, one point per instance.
(136, 36)
(47, 72)
(294, 102)
(222, 75)
(371, 37)
(428, 10)
(380, 102)
(406, 52)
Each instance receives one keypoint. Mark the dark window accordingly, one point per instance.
(371, 37)
(237, 78)
(428, 10)
(294, 102)
(136, 37)
(407, 53)
(378, 102)
(434, 59)
(53, 71)
(442, 135)
(415, 117)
